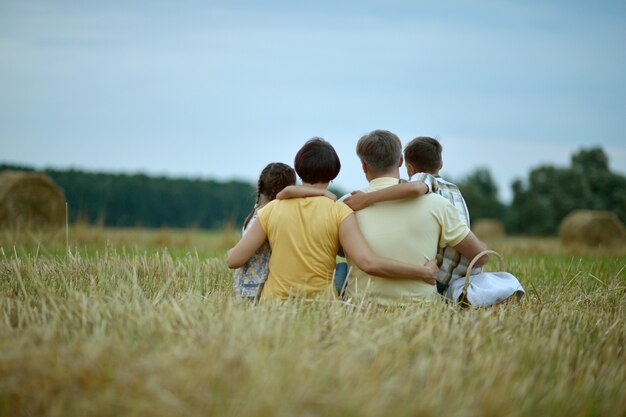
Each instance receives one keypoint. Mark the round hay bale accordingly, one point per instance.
(488, 229)
(592, 228)
(31, 200)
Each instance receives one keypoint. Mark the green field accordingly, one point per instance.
(106, 322)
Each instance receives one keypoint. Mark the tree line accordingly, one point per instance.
(539, 203)
(123, 200)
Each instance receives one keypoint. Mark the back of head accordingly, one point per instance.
(317, 162)
(380, 150)
(274, 177)
(424, 153)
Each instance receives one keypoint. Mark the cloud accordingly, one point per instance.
(221, 89)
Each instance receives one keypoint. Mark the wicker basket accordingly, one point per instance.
(463, 301)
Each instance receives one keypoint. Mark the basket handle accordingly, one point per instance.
(471, 265)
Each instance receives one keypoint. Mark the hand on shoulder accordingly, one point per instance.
(357, 200)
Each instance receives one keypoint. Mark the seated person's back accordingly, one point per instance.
(410, 231)
(304, 236)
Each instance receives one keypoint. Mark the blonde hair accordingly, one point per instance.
(380, 150)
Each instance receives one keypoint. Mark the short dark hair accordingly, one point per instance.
(380, 150)
(424, 153)
(317, 162)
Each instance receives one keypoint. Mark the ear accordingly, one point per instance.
(441, 166)
(364, 166)
(401, 161)
(409, 167)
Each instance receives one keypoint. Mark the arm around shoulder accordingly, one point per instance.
(359, 200)
(300, 191)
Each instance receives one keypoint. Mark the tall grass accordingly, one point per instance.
(145, 333)
(90, 240)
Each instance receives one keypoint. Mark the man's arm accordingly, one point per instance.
(360, 200)
(470, 246)
(299, 191)
(357, 249)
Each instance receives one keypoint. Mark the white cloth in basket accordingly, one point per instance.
(486, 289)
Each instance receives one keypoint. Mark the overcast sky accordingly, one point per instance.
(218, 89)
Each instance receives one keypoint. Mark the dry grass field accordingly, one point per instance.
(143, 323)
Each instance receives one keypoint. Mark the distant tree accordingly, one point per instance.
(590, 160)
(141, 200)
(551, 193)
(11, 167)
(481, 195)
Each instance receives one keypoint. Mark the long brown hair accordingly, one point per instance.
(273, 179)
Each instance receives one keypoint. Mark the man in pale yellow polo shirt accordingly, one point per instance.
(409, 230)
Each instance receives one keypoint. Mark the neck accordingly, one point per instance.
(415, 171)
(393, 173)
(263, 200)
(320, 185)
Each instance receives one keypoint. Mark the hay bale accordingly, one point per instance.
(488, 229)
(30, 199)
(592, 228)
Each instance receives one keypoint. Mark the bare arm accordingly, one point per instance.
(470, 246)
(298, 191)
(359, 200)
(248, 245)
(356, 247)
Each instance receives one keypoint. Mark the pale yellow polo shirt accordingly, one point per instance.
(410, 231)
(304, 236)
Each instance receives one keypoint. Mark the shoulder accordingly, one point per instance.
(341, 207)
(339, 210)
(435, 199)
(266, 211)
(326, 203)
(446, 184)
(267, 208)
(428, 179)
(422, 176)
(437, 203)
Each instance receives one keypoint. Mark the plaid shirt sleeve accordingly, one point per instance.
(427, 179)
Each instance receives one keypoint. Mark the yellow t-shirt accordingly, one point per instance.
(410, 231)
(304, 236)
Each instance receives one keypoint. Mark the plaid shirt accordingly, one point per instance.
(452, 264)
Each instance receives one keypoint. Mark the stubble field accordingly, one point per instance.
(143, 323)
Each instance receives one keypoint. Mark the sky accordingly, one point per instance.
(218, 89)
